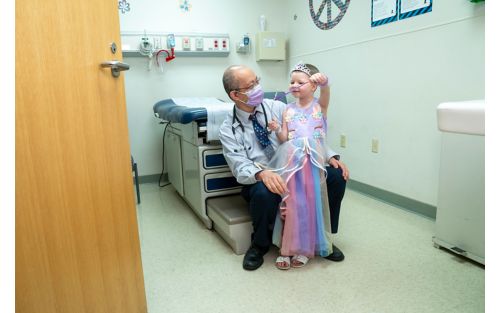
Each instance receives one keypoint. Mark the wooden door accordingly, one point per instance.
(77, 244)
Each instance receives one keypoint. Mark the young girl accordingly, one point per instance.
(302, 227)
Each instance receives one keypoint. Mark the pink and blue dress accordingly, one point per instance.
(302, 224)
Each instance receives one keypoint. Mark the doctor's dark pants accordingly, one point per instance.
(263, 206)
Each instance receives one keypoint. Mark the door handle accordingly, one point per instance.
(116, 67)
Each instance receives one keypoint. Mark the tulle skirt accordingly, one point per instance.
(302, 224)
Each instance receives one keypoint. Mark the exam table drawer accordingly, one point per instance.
(214, 159)
(220, 181)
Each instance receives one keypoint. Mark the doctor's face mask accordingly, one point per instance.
(255, 96)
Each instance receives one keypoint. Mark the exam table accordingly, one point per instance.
(198, 170)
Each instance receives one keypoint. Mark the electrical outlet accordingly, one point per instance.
(375, 145)
(343, 141)
(186, 43)
(199, 43)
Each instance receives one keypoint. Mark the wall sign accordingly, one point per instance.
(316, 9)
(387, 11)
(384, 11)
(410, 8)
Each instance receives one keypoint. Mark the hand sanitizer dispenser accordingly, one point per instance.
(244, 45)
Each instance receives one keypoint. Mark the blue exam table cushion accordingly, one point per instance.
(168, 110)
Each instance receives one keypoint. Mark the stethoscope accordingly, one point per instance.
(237, 122)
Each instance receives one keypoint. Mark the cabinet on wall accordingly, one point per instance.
(460, 212)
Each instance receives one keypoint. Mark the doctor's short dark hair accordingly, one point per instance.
(229, 80)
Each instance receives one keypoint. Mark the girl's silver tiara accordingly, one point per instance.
(301, 67)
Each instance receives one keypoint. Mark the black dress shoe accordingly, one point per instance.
(253, 259)
(336, 255)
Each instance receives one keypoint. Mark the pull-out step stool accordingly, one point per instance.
(231, 221)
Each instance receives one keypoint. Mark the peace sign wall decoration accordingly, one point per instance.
(339, 7)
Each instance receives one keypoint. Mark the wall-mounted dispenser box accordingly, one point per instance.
(244, 45)
(270, 46)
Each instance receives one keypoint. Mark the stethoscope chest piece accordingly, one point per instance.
(237, 122)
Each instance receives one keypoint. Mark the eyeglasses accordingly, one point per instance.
(254, 83)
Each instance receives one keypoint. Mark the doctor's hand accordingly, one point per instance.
(336, 163)
(273, 181)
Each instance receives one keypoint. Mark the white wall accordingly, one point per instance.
(188, 76)
(387, 82)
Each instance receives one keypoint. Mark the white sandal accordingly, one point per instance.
(283, 259)
(299, 260)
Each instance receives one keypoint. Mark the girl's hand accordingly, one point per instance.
(274, 125)
(319, 79)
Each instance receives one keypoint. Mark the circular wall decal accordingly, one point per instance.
(341, 8)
